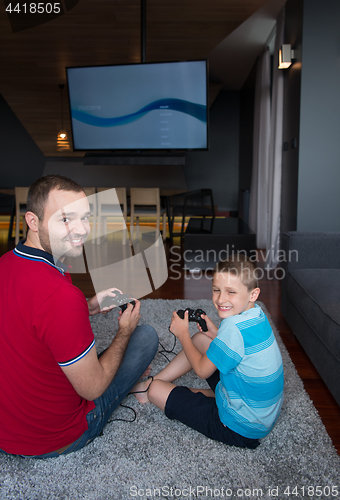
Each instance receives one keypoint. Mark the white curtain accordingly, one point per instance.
(259, 183)
(265, 192)
(275, 153)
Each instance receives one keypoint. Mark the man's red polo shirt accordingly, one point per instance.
(44, 324)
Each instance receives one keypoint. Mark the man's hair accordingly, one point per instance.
(41, 188)
(239, 265)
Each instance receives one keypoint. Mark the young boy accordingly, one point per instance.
(240, 360)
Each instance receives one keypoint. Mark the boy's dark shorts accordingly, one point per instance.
(200, 412)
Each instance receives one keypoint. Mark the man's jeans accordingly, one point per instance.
(141, 350)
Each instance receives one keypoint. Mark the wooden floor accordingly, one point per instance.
(186, 286)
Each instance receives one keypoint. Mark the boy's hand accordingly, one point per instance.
(212, 328)
(179, 326)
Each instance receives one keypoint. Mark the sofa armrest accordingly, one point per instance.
(307, 250)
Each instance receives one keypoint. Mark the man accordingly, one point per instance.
(56, 395)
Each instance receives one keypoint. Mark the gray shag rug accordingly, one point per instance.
(154, 457)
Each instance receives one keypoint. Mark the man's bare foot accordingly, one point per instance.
(140, 391)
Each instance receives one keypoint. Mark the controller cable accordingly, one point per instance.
(124, 419)
(165, 351)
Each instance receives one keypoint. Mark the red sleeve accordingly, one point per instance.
(62, 324)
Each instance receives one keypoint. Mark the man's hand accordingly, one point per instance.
(94, 302)
(91, 376)
(212, 328)
(131, 316)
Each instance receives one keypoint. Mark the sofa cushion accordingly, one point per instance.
(316, 294)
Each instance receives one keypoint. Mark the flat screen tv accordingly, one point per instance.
(139, 107)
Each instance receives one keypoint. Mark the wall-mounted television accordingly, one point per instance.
(139, 107)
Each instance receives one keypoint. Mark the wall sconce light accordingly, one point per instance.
(286, 54)
(62, 138)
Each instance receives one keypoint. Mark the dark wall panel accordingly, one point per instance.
(218, 168)
(20, 158)
(291, 119)
(319, 153)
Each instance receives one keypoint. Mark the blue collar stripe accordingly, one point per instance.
(37, 259)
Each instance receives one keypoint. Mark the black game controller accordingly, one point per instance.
(124, 306)
(194, 315)
(120, 300)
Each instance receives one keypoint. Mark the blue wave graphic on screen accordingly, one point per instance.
(196, 110)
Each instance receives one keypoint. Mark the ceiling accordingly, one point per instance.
(230, 33)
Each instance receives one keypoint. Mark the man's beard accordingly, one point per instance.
(59, 251)
(45, 240)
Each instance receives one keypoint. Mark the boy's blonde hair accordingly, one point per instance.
(239, 265)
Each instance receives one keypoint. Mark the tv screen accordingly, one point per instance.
(149, 106)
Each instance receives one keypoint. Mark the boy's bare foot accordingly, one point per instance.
(140, 391)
